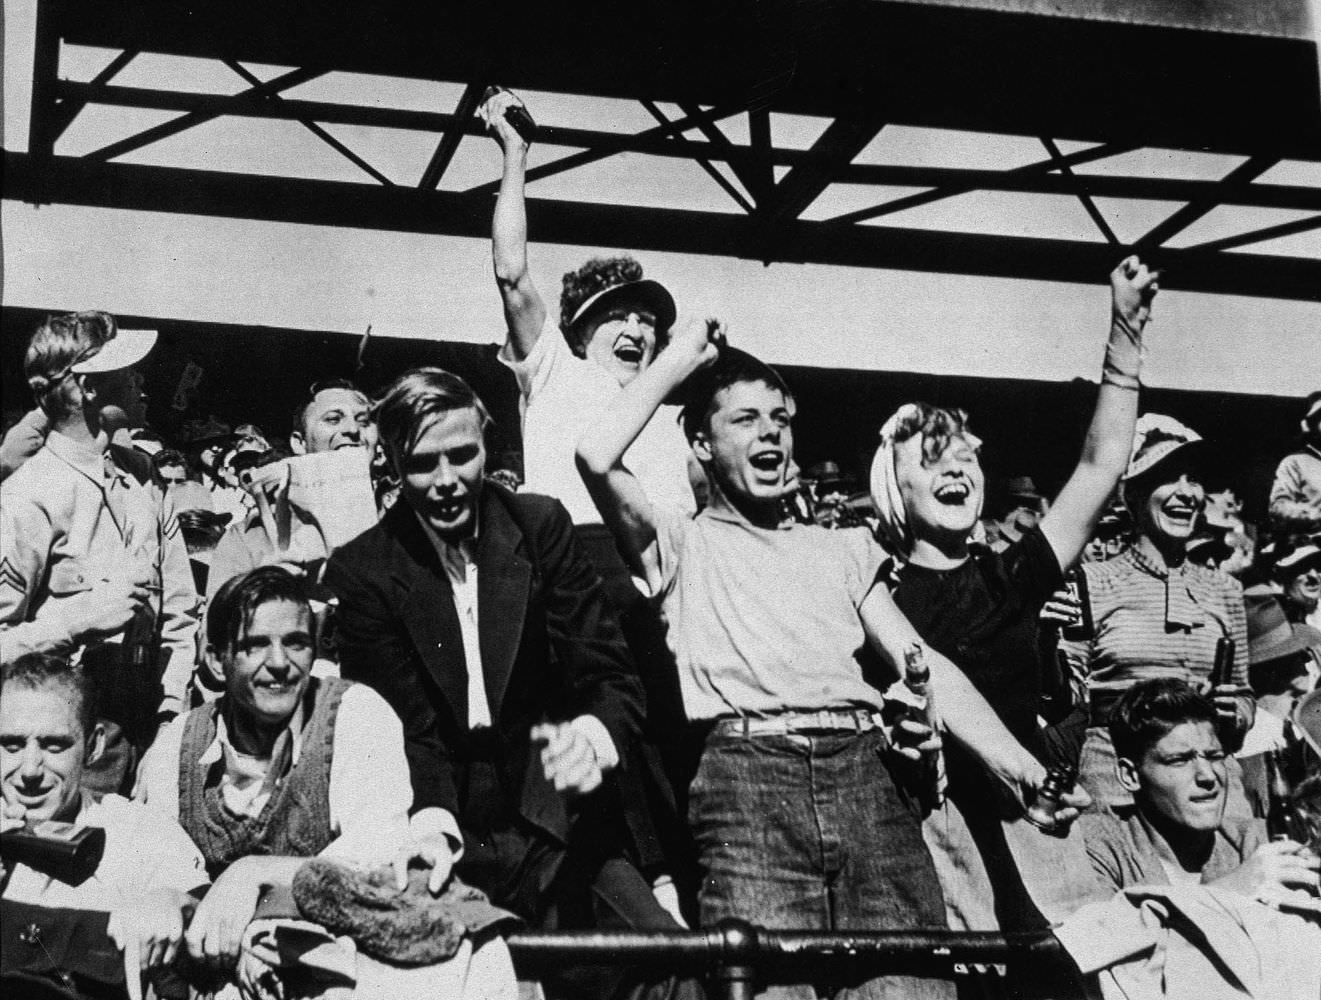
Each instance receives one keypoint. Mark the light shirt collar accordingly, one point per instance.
(216, 751)
(730, 514)
(82, 457)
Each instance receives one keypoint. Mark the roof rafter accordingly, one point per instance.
(370, 206)
(1040, 177)
(316, 129)
(454, 133)
(1245, 173)
(181, 124)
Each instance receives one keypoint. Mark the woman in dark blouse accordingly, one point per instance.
(981, 609)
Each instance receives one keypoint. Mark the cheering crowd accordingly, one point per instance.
(665, 680)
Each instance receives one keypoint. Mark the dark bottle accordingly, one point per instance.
(1041, 813)
(1222, 667)
(1083, 628)
(517, 116)
(917, 678)
(1280, 822)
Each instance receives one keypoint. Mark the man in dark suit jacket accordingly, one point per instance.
(471, 610)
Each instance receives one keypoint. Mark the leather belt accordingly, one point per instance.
(855, 720)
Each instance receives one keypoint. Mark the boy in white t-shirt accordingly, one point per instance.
(612, 324)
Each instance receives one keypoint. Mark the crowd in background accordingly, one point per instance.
(659, 677)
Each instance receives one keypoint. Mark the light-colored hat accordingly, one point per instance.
(1292, 558)
(1155, 439)
(124, 350)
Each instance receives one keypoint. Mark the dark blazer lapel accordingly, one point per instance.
(427, 608)
(504, 583)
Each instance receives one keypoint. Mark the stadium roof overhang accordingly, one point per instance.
(1090, 86)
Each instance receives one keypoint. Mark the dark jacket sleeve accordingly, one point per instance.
(585, 634)
(375, 650)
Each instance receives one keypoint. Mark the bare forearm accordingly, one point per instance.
(509, 227)
(525, 313)
(1110, 436)
(603, 444)
(268, 870)
(971, 720)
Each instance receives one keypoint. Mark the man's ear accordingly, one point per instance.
(296, 443)
(214, 662)
(1127, 772)
(96, 740)
(702, 446)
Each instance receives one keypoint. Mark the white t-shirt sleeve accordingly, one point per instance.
(862, 557)
(671, 527)
(370, 791)
(548, 355)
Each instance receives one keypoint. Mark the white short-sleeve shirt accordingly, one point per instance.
(563, 395)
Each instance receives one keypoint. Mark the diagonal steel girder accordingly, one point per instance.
(368, 206)
(1041, 177)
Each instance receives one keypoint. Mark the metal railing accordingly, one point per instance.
(737, 955)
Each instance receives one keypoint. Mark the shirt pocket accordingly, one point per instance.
(69, 577)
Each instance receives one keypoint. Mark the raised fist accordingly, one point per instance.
(492, 112)
(1132, 287)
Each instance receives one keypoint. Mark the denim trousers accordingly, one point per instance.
(807, 831)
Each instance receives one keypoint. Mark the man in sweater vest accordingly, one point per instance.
(258, 778)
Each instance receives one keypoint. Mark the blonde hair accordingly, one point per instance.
(57, 345)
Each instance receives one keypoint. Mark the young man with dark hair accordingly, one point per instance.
(90, 558)
(1170, 759)
(148, 869)
(775, 627)
(282, 768)
(169, 468)
(472, 610)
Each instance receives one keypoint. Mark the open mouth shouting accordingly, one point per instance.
(768, 464)
(448, 510)
(1180, 512)
(953, 492)
(629, 350)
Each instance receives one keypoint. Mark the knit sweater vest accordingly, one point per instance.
(295, 822)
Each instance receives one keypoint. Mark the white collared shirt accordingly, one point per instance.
(461, 569)
(460, 562)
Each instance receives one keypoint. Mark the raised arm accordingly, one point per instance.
(525, 312)
(1105, 452)
(619, 496)
(963, 710)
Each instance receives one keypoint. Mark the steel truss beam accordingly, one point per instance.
(372, 206)
(1035, 178)
(765, 55)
